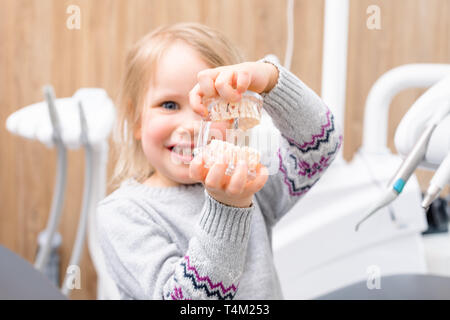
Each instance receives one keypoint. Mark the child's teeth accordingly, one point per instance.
(182, 150)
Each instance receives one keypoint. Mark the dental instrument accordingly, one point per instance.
(67, 284)
(59, 189)
(408, 166)
(438, 182)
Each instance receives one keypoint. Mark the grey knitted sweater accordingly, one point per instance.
(179, 243)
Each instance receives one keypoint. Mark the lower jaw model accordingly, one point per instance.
(222, 151)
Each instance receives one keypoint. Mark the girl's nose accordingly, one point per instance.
(189, 118)
(189, 123)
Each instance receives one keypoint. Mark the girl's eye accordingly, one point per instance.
(170, 105)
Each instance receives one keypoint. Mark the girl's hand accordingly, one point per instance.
(229, 82)
(236, 190)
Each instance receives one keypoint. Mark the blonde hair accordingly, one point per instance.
(140, 64)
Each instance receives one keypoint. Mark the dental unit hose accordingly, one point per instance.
(438, 182)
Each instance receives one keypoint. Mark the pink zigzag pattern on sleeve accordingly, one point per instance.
(310, 170)
(207, 279)
(293, 189)
(305, 170)
(316, 138)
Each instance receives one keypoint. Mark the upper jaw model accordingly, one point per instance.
(247, 110)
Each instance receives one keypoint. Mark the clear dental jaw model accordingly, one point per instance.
(225, 134)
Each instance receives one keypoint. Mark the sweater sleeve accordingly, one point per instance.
(146, 263)
(309, 142)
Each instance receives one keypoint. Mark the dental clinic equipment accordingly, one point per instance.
(418, 153)
(60, 185)
(334, 61)
(307, 263)
(84, 120)
(438, 182)
(67, 284)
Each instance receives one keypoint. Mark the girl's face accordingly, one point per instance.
(168, 125)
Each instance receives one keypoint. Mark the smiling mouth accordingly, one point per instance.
(185, 152)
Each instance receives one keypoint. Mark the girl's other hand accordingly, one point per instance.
(229, 82)
(236, 190)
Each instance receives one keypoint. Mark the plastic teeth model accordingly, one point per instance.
(219, 150)
(245, 115)
(247, 110)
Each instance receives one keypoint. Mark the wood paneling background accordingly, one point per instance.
(36, 48)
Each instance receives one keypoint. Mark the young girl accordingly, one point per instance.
(174, 229)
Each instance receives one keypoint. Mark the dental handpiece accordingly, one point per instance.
(438, 182)
(407, 168)
(395, 186)
(412, 161)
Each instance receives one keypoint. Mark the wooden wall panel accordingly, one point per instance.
(37, 48)
(412, 31)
